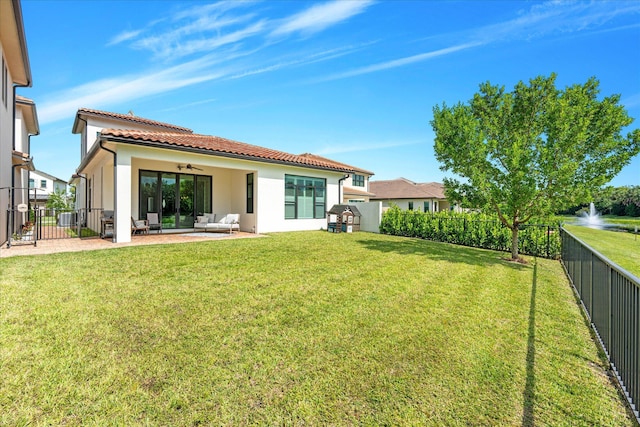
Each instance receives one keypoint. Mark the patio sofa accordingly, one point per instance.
(217, 222)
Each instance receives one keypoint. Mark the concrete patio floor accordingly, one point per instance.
(90, 244)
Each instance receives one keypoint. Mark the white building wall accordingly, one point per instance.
(270, 206)
(228, 187)
(6, 146)
(371, 216)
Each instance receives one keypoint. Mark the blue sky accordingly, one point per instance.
(354, 81)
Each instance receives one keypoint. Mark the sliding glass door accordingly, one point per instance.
(177, 197)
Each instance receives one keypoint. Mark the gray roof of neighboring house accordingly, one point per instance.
(402, 188)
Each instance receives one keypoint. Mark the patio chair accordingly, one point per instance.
(139, 226)
(154, 222)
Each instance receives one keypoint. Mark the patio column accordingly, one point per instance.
(122, 197)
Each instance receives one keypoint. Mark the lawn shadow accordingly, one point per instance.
(529, 394)
(439, 251)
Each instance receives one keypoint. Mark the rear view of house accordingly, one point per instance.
(134, 166)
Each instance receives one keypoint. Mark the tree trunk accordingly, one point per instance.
(514, 243)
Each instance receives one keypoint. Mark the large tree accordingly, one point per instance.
(532, 151)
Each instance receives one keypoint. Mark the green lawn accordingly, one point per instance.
(297, 329)
(620, 247)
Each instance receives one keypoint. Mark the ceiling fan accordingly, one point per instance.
(188, 166)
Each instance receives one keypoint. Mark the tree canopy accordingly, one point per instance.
(532, 151)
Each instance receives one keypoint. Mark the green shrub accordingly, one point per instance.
(471, 229)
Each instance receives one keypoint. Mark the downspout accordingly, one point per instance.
(340, 186)
(115, 187)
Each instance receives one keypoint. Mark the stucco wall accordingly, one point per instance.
(371, 216)
(271, 198)
(6, 145)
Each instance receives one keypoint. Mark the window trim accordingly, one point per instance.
(357, 180)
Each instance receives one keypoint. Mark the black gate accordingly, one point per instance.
(29, 226)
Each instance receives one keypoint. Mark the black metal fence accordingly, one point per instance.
(610, 297)
(47, 224)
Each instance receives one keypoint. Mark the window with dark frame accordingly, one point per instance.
(304, 197)
(358, 180)
(410, 206)
(177, 198)
(250, 193)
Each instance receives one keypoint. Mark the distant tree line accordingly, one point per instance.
(621, 201)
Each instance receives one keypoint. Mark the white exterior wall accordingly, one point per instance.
(228, 187)
(370, 216)
(6, 146)
(50, 185)
(21, 181)
(22, 135)
(270, 203)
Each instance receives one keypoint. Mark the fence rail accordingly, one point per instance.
(51, 224)
(610, 297)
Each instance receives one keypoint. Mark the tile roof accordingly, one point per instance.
(355, 169)
(222, 146)
(132, 118)
(356, 192)
(403, 188)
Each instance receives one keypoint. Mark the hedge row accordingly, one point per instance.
(471, 229)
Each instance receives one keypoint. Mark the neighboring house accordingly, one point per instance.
(134, 166)
(26, 126)
(15, 71)
(355, 186)
(42, 185)
(424, 197)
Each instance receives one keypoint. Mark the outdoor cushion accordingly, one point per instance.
(223, 220)
(203, 220)
(211, 217)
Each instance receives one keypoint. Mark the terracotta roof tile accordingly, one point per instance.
(355, 169)
(134, 119)
(402, 188)
(223, 146)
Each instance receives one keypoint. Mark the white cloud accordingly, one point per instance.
(108, 92)
(401, 62)
(124, 36)
(321, 16)
(631, 101)
(309, 59)
(553, 17)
